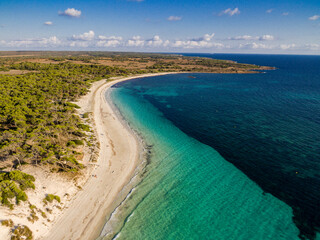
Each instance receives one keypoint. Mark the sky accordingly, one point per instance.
(194, 26)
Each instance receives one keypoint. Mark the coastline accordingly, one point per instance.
(119, 156)
(168, 195)
(46, 182)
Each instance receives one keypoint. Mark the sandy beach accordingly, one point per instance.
(119, 155)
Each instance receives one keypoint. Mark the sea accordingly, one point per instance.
(230, 156)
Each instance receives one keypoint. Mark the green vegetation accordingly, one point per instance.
(74, 143)
(7, 223)
(86, 115)
(72, 105)
(33, 217)
(12, 185)
(165, 66)
(49, 210)
(43, 214)
(37, 118)
(22, 232)
(32, 207)
(78, 142)
(84, 127)
(50, 197)
(207, 62)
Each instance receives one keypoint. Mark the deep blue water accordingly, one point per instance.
(277, 116)
(267, 125)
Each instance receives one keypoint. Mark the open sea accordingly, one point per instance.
(231, 156)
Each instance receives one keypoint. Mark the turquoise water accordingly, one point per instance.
(188, 190)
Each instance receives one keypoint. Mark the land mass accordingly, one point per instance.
(139, 62)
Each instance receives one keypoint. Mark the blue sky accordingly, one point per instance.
(283, 26)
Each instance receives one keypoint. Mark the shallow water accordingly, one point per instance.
(264, 124)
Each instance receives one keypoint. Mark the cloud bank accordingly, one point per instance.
(207, 43)
(84, 37)
(265, 37)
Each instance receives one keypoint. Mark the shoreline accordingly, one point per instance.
(101, 195)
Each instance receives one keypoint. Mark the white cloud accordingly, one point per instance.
(243, 37)
(108, 43)
(33, 42)
(80, 44)
(166, 43)
(285, 14)
(112, 41)
(84, 37)
(313, 47)
(109, 38)
(269, 11)
(287, 46)
(174, 18)
(136, 41)
(48, 23)
(156, 41)
(51, 40)
(262, 46)
(265, 37)
(230, 12)
(207, 42)
(255, 45)
(70, 12)
(206, 37)
(200, 42)
(315, 17)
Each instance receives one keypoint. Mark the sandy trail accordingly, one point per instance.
(118, 159)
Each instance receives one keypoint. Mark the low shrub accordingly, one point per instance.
(50, 197)
(22, 232)
(85, 115)
(84, 127)
(71, 144)
(7, 223)
(33, 217)
(43, 214)
(73, 105)
(12, 185)
(78, 142)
